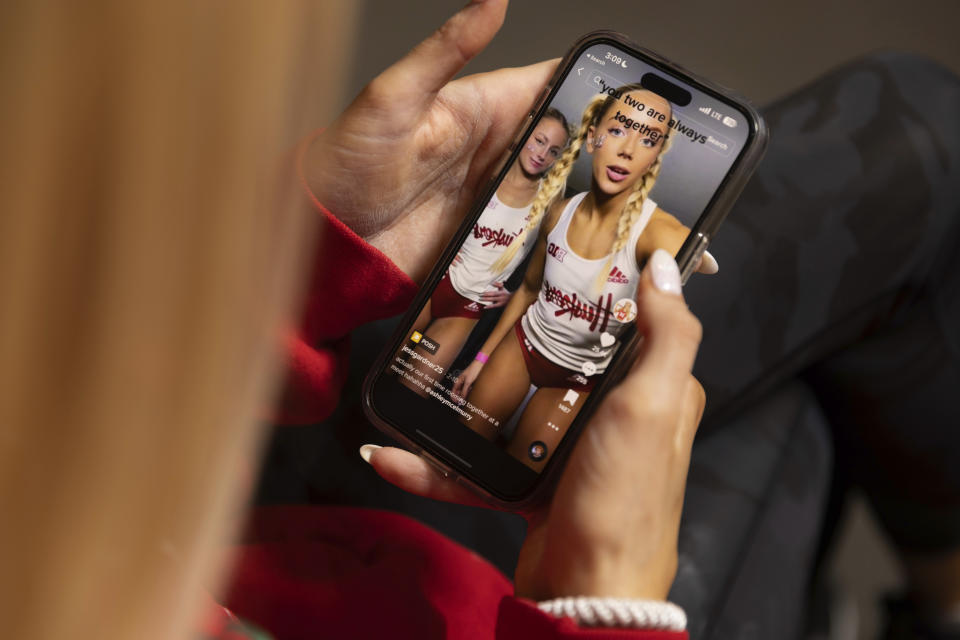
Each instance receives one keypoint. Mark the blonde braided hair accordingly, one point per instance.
(555, 182)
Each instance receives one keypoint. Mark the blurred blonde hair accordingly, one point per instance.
(148, 252)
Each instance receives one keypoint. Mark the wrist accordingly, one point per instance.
(608, 575)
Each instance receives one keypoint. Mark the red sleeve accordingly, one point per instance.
(343, 572)
(351, 283)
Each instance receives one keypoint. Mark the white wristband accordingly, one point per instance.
(618, 612)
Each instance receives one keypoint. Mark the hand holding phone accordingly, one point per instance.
(611, 526)
(623, 154)
(397, 164)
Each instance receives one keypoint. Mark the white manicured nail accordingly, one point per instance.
(710, 264)
(664, 272)
(366, 451)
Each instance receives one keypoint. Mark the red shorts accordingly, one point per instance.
(447, 303)
(544, 373)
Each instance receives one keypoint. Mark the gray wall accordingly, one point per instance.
(760, 49)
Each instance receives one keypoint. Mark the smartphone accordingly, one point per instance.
(527, 319)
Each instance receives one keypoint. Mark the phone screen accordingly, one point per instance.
(528, 312)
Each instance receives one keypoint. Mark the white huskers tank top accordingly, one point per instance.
(571, 323)
(492, 233)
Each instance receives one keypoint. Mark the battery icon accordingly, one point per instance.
(730, 122)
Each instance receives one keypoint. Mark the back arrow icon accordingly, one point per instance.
(579, 70)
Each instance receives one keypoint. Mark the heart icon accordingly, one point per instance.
(606, 339)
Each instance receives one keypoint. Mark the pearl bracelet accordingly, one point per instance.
(618, 612)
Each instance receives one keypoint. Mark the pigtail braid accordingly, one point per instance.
(553, 185)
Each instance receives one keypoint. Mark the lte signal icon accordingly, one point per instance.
(706, 110)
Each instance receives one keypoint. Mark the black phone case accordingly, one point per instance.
(696, 243)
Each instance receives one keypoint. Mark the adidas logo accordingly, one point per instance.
(473, 306)
(617, 276)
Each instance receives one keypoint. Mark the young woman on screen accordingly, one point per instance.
(471, 284)
(560, 329)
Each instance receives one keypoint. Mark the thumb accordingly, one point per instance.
(671, 334)
(418, 77)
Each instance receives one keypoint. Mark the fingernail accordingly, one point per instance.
(664, 272)
(710, 264)
(366, 451)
